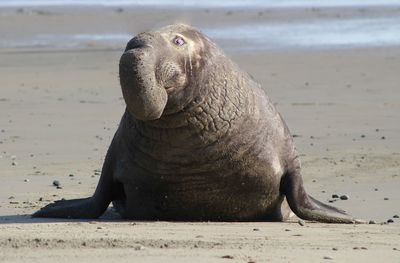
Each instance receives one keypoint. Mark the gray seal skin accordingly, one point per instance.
(199, 140)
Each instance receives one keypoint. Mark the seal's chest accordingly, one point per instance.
(220, 195)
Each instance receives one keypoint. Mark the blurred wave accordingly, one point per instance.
(332, 33)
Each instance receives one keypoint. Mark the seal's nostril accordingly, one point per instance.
(140, 41)
(135, 44)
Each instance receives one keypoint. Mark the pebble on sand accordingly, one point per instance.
(335, 196)
(396, 216)
(328, 257)
(301, 222)
(139, 247)
(344, 197)
(390, 220)
(56, 183)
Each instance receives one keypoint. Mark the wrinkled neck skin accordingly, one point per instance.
(221, 106)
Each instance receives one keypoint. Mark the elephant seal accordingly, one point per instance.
(199, 140)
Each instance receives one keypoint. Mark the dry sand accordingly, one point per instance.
(60, 108)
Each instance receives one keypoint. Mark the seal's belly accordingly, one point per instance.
(223, 195)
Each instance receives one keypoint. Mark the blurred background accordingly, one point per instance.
(236, 25)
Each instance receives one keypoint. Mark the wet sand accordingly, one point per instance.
(61, 106)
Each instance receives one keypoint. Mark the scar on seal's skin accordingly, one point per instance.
(199, 140)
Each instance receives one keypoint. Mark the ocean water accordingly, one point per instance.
(343, 33)
(314, 33)
(333, 33)
(204, 3)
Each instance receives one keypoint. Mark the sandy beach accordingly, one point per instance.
(60, 104)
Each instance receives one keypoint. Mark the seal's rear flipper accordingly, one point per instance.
(308, 208)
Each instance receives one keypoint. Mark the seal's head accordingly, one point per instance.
(158, 67)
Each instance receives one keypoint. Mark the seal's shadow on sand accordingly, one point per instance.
(109, 215)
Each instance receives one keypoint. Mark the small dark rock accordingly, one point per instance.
(71, 175)
(386, 198)
(383, 138)
(228, 257)
(390, 220)
(256, 229)
(139, 247)
(301, 222)
(362, 135)
(335, 196)
(328, 257)
(56, 183)
(344, 197)
(335, 249)
(372, 222)
(396, 216)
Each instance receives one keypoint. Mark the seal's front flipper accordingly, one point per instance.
(92, 207)
(76, 208)
(308, 208)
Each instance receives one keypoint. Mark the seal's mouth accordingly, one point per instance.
(171, 89)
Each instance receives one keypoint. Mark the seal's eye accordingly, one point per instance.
(179, 41)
